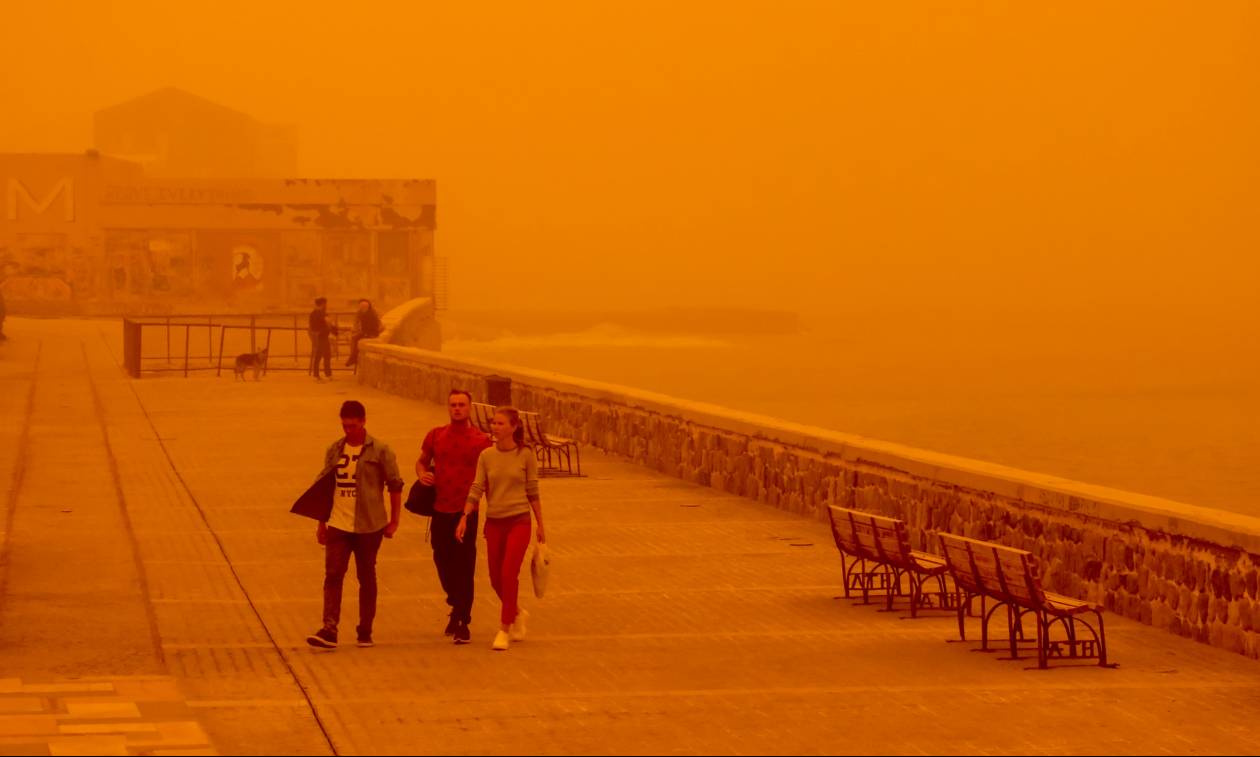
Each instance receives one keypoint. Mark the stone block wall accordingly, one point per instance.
(1192, 571)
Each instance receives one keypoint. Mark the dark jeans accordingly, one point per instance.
(340, 545)
(354, 348)
(321, 350)
(456, 563)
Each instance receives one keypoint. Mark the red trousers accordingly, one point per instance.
(507, 541)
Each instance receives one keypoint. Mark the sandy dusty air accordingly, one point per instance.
(1013, 233)
(987, 236)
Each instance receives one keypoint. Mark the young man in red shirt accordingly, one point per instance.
(448, 461)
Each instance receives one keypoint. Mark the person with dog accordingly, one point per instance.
(367, 325)
(364, 465)
(319, 329)
(507, 474)
(448, 461)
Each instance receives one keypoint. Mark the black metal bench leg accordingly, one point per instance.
(844, 572)
(1043, 640)
(1012, 622)
(1102, 641)
(1070, 627)
(984, 625)
(894, 588)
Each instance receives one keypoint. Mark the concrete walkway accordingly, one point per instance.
(681, 620)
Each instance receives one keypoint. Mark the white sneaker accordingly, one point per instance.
(500, 641)
(517, 631)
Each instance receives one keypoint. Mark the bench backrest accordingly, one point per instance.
(1005, 573)
(482, 415)
(533, 428)
(870, 537)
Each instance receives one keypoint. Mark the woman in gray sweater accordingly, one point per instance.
(507, 474)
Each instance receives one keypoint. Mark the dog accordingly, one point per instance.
(257, 361)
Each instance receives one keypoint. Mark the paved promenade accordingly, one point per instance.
(149, 566)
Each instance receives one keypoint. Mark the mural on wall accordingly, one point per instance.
(247, 268)
(33, 270)
(303, 278)
(231, 267)
(149, 267)
(162, 270)
(394, 266)
(86, 264)
(347, 267)
(93, 234)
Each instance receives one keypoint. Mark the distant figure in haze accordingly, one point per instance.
(319, 329)
(2, 314)
(367, 325)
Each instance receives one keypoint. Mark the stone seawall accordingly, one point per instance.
(1187, 569)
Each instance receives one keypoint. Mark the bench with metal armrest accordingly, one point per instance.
(1012, 579)
(555, 454)
(546, 445)
(875, 556)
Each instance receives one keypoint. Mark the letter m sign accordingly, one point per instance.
(18, 191)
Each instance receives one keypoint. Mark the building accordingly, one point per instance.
(174, 134)
(91, 234)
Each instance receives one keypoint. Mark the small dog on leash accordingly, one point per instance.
(256, 361)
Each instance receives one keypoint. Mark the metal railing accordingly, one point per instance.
(173, 344)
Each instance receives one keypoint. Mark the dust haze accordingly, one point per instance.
(1005, 195)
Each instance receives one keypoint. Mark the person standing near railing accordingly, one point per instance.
(319, 329)
(367, 325)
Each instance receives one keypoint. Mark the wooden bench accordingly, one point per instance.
(1012, 578)
(875, 555)
(481, 416)
(565, 450)
(551, 451)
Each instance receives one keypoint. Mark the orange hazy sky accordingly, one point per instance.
(817, 156)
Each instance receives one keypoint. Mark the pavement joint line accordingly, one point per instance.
(544, 639)
(155, 634)
(394, 597)
(19, 472)
(766, 691)
(297, 681)
(179, 646)
(235, 703)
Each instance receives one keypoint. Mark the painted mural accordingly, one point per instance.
(91, 235)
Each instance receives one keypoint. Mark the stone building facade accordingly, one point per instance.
(90, 234)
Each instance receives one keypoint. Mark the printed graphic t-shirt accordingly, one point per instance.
(346, 496)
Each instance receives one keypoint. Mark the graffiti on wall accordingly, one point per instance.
(347, 266)
(234, 267)
(303, 277)
(33, 269)
(159, 270)
(148, 264)
(247, 268)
